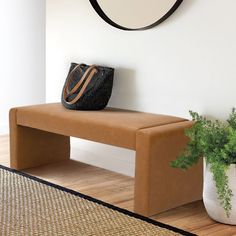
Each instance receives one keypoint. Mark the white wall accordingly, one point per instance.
(187, 62)
(22, 55)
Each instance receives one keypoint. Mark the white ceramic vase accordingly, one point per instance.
(211, 202)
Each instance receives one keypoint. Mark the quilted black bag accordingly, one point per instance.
(87, 87)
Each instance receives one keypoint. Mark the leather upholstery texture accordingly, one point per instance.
(40, 134)
(157, 184)
(111, 126)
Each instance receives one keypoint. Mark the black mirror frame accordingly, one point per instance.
(102, 14)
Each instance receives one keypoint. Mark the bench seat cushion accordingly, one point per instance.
(117, 127)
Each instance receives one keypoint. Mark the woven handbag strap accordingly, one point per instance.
(70, 76)
(87, 77)
(86, 73)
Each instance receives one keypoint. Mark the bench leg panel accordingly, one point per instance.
(158, 186)
(32, 147)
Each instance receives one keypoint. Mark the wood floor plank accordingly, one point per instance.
(118, 190)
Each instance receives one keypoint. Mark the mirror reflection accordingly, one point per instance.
(135, 14)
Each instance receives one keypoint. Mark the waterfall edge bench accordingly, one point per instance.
(40, 134)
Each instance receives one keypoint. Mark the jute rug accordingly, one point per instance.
(31, 206)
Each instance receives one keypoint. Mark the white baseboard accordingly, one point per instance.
(112, 158)
(4, 129)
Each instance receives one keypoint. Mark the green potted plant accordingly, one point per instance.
(214, 141)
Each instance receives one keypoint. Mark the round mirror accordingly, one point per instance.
(135, 14)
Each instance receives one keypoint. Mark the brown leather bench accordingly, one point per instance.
(40, 134)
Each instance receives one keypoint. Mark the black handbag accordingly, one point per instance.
(87, 87)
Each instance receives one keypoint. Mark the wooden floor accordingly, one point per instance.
(118, 189)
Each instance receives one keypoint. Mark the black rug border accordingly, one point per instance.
(108, 205)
